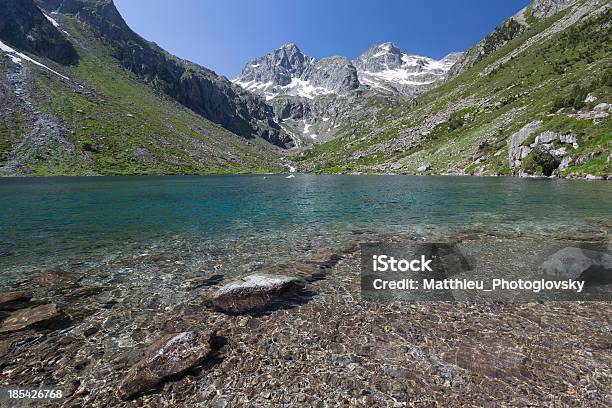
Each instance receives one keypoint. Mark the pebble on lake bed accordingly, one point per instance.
(171, 355)
(253, 292)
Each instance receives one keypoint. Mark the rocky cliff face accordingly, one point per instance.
(198, 88)
(24, 26)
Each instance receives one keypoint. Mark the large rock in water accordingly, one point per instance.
(254, 292)
(578, 263)
(14, 300)
(171, 355)
(44, 315)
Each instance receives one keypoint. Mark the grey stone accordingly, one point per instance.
(547, 8)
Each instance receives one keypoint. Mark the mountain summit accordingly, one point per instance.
(384, 67)
(288, 71)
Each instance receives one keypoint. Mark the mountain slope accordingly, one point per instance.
(198, 88)
(551, 74)
(97, 117)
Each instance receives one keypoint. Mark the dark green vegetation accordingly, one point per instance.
(541, 71)
(107, 120)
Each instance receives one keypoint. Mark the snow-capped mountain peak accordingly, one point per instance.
(384, 67)
(288, 71)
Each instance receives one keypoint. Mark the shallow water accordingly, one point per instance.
(48, 221)
(129, 260)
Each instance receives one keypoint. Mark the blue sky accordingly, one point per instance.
(224, 34)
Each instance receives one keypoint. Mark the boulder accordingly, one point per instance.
(168, 356)
(424, 167)
(546, 137)
(14, 300)
(39, 316)
(254, 292)
(578, 263)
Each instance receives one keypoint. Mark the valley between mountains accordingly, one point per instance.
(83, 94)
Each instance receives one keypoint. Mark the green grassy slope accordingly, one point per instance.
(473, 114)
(109, 122)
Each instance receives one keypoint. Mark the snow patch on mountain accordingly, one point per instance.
(17, 58)
(52, 21)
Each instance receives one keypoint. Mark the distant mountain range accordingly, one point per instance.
(83, 94)
(383, 67)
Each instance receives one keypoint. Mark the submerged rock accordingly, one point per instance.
(578, 263)
(171, 355)
(254, 292)
(44, 315)
(14, 300)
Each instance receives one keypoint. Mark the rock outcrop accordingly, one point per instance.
(287, 71)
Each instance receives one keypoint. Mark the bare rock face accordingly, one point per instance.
(254, 292)
(32, 316)
(170, 355)
(516, 151)
(14, 300)
(547, 8)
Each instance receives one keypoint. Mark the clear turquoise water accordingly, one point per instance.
(48, 221)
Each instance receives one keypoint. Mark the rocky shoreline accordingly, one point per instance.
(138, 332)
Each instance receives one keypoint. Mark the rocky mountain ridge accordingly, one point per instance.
(383, 67)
